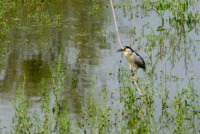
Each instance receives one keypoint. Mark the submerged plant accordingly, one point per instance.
(55, 117)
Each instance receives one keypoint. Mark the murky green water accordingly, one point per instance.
(85, 33)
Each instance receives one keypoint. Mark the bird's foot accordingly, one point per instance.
(134, 78)
(132, 70)
(132, 74)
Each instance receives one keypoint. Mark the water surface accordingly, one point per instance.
(84, 34)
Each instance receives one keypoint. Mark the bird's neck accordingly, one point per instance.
(127, 55)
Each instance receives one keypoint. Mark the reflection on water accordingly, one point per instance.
(39, 34)
(36, 43)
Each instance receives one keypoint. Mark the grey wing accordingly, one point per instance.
(139, 61)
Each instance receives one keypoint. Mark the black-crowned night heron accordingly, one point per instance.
(133, 57)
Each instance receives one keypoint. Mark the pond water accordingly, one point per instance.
(83, 32)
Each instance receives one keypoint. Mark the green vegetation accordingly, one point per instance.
(178, 114)
(64, 64)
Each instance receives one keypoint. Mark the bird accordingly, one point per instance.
(133, 58)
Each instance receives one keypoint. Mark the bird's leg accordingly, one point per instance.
(136, 71)
(132, 72)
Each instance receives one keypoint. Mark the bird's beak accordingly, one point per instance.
(120, 50)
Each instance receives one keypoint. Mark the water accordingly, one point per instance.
(85, 33)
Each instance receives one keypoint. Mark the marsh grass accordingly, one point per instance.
(179, 114)
(159, 113)
(53, 120)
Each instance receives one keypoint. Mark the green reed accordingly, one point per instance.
(133, 116)
(179, 113)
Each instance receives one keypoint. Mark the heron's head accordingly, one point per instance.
(126, 49)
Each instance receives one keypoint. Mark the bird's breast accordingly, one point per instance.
(130, 59)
